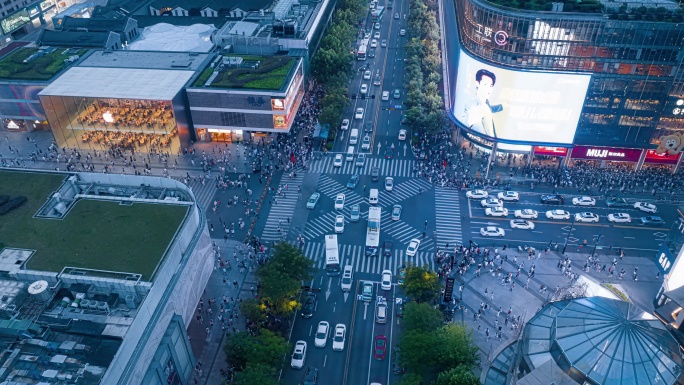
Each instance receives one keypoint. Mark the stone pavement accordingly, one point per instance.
(206, 341)
(524, 303)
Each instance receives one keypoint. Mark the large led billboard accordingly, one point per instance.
(514, 105)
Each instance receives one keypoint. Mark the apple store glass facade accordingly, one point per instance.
(119, 125)
(637, 81)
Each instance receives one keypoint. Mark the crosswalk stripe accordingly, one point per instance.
(388, 167)
(448, 217)
(282, 210)
(204, 194)
(354, 255)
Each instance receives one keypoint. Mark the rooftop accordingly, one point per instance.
(216, 5)
(270, 74)
(90, 39)
(119, 83)
(145, 60)
(94, 234)
(41, 64)
(167, 37)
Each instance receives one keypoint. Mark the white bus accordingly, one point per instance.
(373, 231)
(361, 53)
(332, 255)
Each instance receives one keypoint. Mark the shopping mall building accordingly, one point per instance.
(602, 86)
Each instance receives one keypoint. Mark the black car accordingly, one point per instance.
(616, 202)
(389, 153)
(310, 376)
(353, 181)
(554, 199)
(309, 305)
(387, 247)
(652, 220)
(368, 127)
(371, 53)
(375, 174)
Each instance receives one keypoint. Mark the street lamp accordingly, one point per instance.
(572, 226)
(598, 239)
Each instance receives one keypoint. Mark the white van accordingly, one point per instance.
(354, 136)
(350, 154)
(373, 197)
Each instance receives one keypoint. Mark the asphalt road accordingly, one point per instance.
(633, 237)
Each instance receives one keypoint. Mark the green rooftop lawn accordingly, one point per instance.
(270, 75)
(94, 234)
(45, 67)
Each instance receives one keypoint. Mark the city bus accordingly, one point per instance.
(373, 231)
(332, 255)
(361, 53)
(376, 14)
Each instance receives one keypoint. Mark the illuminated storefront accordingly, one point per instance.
(564, 78)
(237, 114)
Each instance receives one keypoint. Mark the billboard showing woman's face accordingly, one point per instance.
(515, 105)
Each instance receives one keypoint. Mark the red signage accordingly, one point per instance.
(606, 153)
(551, 151)
(652, 157)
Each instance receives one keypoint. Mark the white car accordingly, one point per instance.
(338, 160)
(386, 281)
(522, 224)
(491, 231)
(376, 35)
(374, 43)
(385, 95)
(322, 334)
(619, 218)
(389, 183)
(496, 212)
(476, 194)
(413, 246)
(339, 337)
(313, 200)
(402, 134)
(298, 355)
(491, 202)
(557, 214)
(646, 207)
(345, 124)
(339, 224)
(347, 278)
(526, 214)
(509, 196)
(367, 75)
(584, 201)
(402, 32)
(364, 89)
(586, 217)
(339, 201)
(365, 143)
(359, 113)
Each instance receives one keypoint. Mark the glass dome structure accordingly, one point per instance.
(602, 341)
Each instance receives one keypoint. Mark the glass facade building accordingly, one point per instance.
(636, 93)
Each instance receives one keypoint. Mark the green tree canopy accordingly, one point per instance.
(256, 374)
(421, 284)
(237, 349)
(422, 317)
(253, 310)
(456, 347)
(460, 375)
(411, 379)
(418, 351)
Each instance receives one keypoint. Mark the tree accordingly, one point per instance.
(237, 349)
(253, 310)
(421, 284)
(411, 379)
(460, 375)
(422, 317)
(278, 288)
(267, 348)
(256, 374)
(456, 347)
(418, 351)
(291, 261)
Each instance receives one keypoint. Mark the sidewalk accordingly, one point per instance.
(524, 303)
(208, 346)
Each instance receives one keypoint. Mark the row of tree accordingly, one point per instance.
(257, 353)
(425, 107)
(332, 66)
(433, 351)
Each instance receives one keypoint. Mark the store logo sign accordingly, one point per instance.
(596, 153)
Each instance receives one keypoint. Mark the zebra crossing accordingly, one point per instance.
(280, 212)
(387, 167)
(204, 194)
(448, 217)
(401, 231)
(402, 191)
(355, 255)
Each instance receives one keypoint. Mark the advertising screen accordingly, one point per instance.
(653, 157)
(516, 105)
(606, 153)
